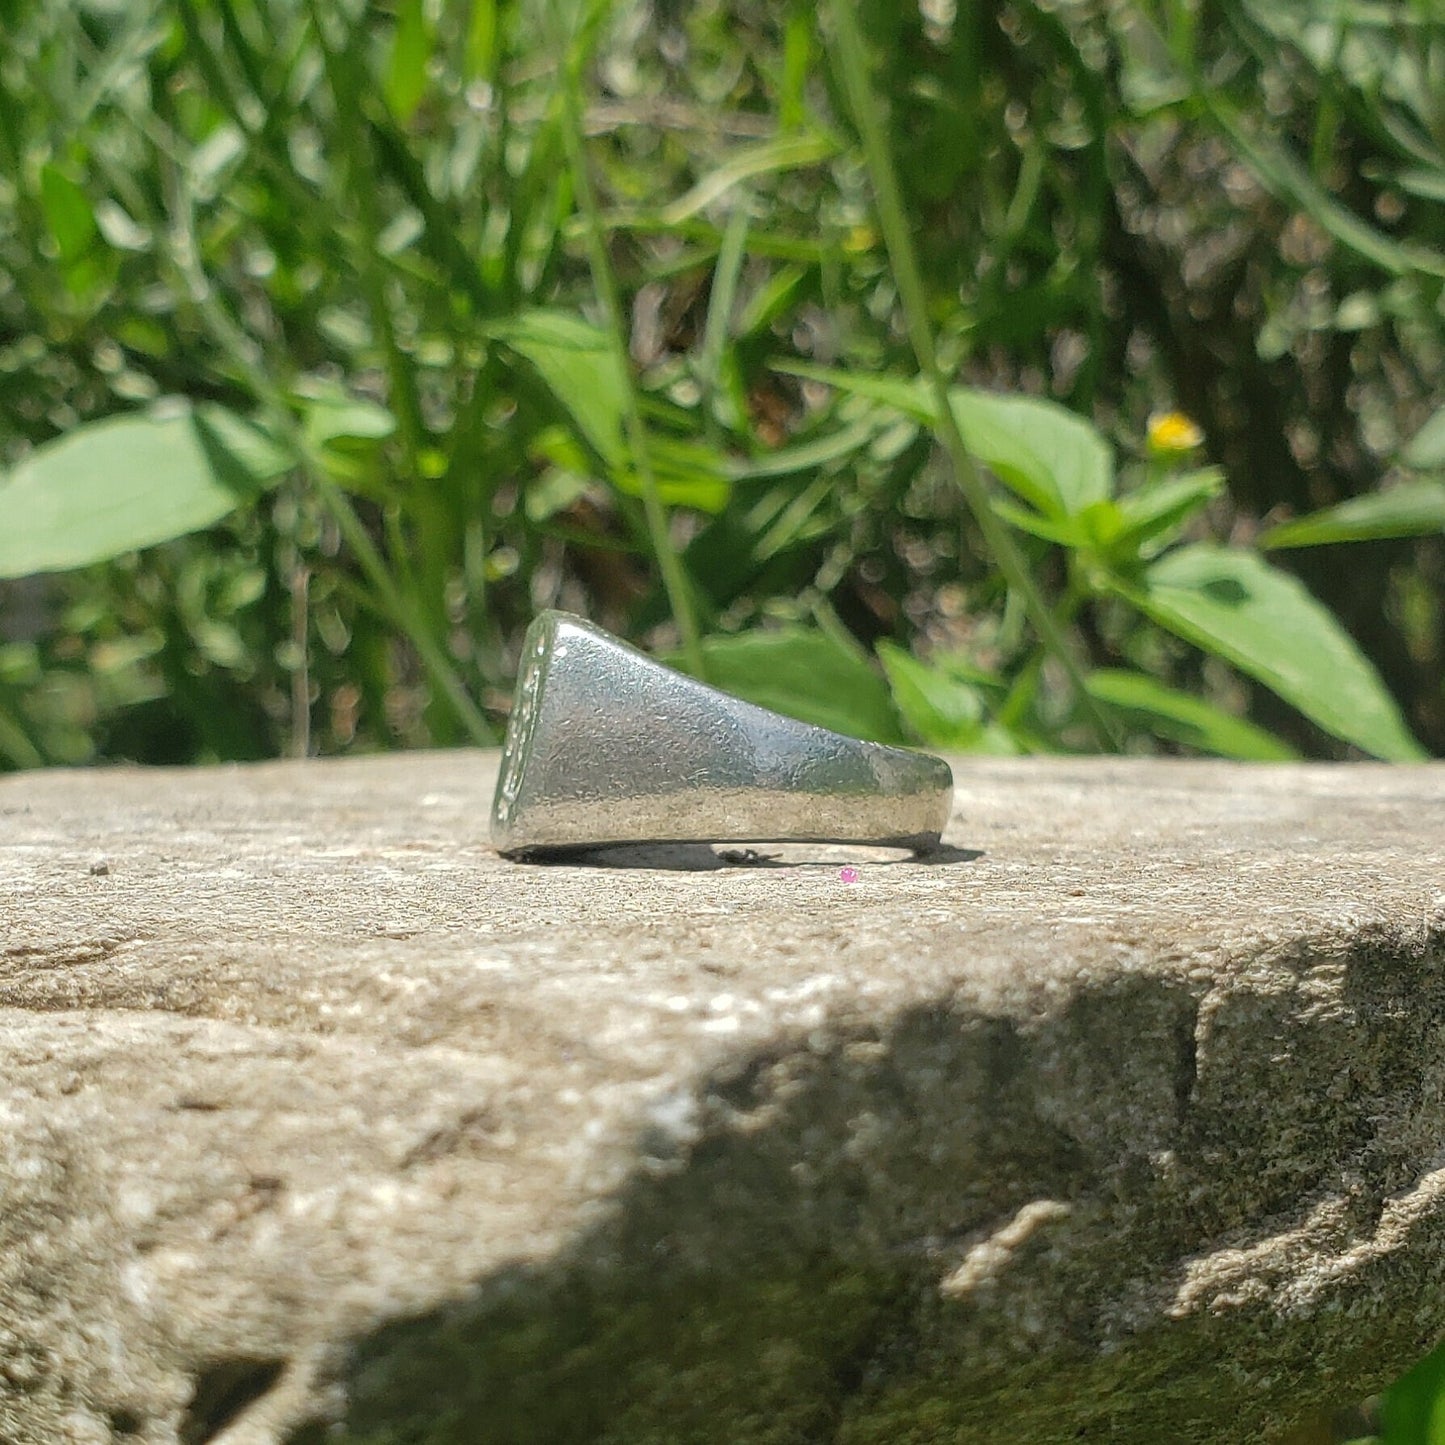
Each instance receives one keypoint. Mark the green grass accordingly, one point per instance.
(527, 296)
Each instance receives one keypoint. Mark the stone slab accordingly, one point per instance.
(1123, 1119)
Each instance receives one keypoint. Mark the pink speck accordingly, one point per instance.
(847, 875)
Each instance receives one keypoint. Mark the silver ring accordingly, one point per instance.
(607, 746)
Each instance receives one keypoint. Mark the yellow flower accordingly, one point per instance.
(1171, 434)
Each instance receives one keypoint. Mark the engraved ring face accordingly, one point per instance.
(607, 746)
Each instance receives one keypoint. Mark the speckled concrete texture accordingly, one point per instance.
(1121, 1119)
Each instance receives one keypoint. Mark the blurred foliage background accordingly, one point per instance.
(1027, 376)
(338, 339)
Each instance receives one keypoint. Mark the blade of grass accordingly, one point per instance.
(797, 61)
(346, 76)
(867, 110)
(674, 581)
(396, 600)
(719, 314)
(342, 69)
(783, 153)
(242, 352)
(1285, 177)
(438, 240)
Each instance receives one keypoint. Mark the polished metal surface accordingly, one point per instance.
(607, 746)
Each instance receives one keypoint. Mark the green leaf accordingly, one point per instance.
(1413, 509)
(941, 709)
(481, 46)
(1063, 532)
(1056, 461)
(805, 456)
(776, 295)
(804, 519)
(1169, 713)
(1414, 1406)
(895, 391)
(1049, 456)
(410, 54)
(1428, 184)
(552, 492)
(688, 474)
(1234, 604)
(577, 363)
(128, 482)
(346, 432)
(807, 674)
(1426, 450)
(68, 214)
(579, 367)
(1155, 513)
(338, 417)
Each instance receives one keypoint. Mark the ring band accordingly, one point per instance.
(606, 746)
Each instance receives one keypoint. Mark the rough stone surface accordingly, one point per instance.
(1124, 1120)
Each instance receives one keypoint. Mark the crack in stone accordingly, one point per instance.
(26, 956)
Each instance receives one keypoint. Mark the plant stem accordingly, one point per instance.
(1025, 685)
(341, 73)
(301, 674)
(867, 110)
(673, 579)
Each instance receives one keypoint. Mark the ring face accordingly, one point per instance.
(605, 746)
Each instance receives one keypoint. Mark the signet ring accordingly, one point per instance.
(607, 746)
